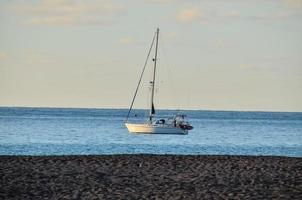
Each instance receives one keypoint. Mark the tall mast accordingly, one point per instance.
(152, 111)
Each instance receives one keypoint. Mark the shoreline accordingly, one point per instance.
(145, 155)
(149, 176)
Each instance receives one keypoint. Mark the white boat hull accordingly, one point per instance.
(154, 129)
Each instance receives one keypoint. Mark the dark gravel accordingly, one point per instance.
(150, 177)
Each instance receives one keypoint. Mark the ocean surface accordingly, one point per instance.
(57, 131)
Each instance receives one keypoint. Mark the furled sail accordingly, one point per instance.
(153, 110)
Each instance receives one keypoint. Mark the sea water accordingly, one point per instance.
(66, 131)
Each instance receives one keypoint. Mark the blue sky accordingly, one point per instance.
(220, 55)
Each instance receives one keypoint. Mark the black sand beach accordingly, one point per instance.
(150, 177)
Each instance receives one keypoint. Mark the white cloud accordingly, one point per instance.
(159, 1)
(51, 20)
(31, 57)
(246, 67)
(67, 12)
(235, 15)
(232, 14)
(294, 3)
(170, 35)
(126, 40)
(221, 44)
(188, 15)
(65, 20)
(3, 56)
(70, 7)
(259, 67)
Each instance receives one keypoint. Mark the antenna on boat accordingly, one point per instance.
(152, 110)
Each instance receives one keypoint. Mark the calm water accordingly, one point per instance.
(54, 131)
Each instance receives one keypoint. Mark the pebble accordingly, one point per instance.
(150, 177)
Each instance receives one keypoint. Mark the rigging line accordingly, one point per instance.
(140, 79)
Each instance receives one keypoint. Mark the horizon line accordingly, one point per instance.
(169, 109)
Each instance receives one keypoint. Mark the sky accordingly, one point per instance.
(213, 55)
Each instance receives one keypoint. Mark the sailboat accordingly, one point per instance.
(176, 124)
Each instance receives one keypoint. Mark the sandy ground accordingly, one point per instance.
(150, 177)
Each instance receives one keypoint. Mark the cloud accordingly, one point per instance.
(259, 67)
(67, 12)
(268, 16)
(188, 15)
(170, 35)
(3, 56)
(65, 20)
(158, 1)
(51, 20)
(232, 14)
(126, 40)
(294, 3)
(235, 15)
(221, 44)
(247, 67)
(33, 57)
